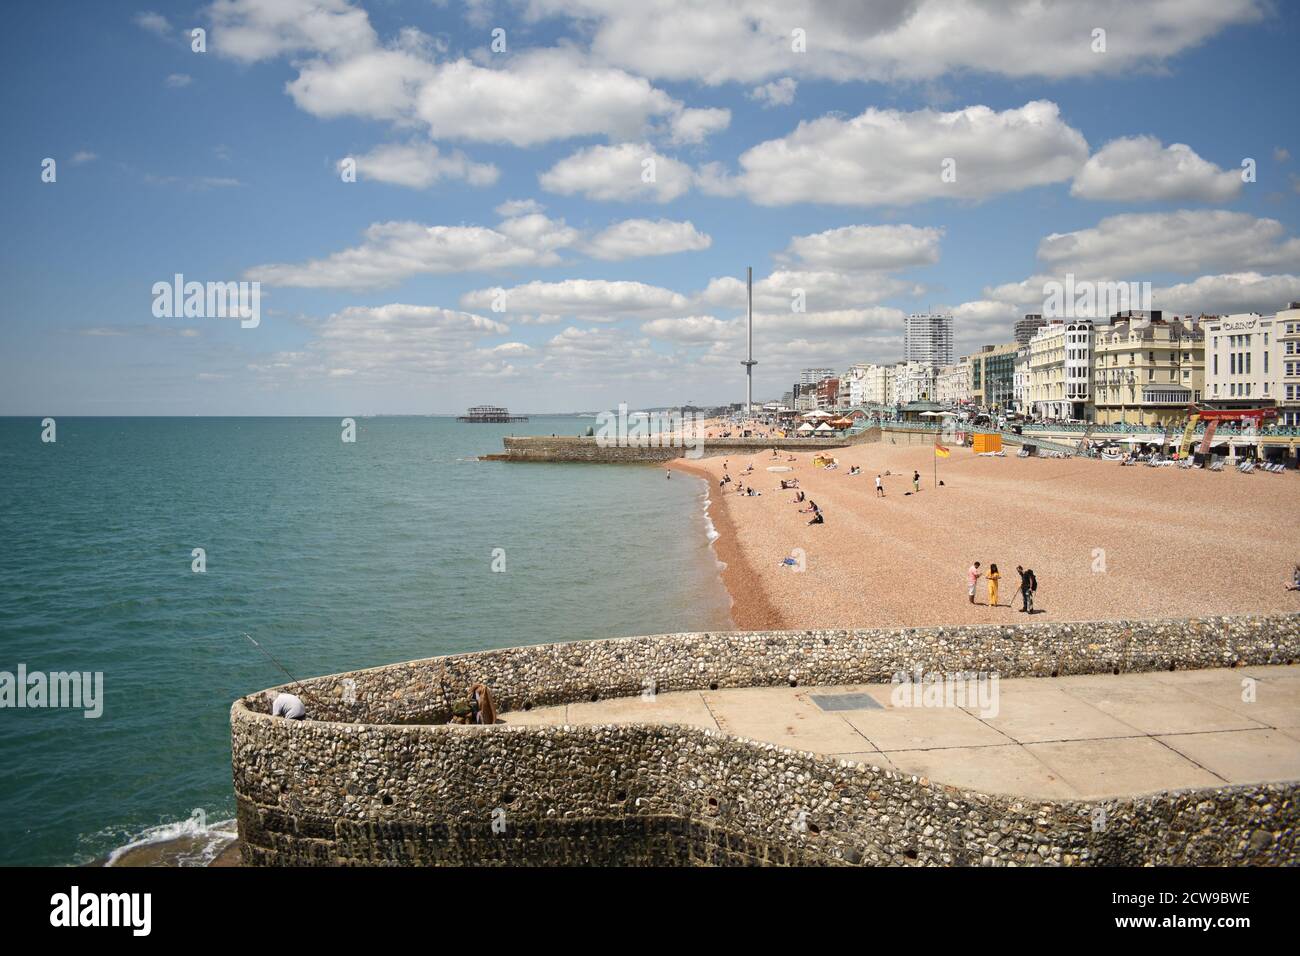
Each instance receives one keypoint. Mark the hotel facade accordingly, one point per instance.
(1147, 371)
(1060, 370)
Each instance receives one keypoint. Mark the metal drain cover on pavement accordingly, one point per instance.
(845, 701)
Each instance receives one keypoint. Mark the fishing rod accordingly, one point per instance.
(295, 680)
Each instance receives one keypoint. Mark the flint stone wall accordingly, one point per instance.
(559, 448)
(371, 780)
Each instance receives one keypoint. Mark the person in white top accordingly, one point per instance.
(288, 706)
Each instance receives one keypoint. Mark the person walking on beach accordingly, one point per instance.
(916, 481)
(993, 578)
(972, 577)
(880, 489)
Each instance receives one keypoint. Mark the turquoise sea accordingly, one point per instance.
(332, 555)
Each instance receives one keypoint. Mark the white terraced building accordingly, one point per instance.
(1060, 370)
(913, 382)
(952, 383)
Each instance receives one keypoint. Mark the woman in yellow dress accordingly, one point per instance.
(994, 577)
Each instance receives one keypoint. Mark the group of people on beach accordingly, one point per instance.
(1026, 588)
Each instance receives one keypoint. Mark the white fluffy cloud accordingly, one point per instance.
(420, 165)
(1225, 294)
(777, 93)
(895, 158)
(631, 238)
(530, 97)
(393, 251)
(596, 300)
(1187, 242)
(751, 40)
(252, 30)
(1139, 169)
(388, 341)
(696, 125)
(867, 248)
(625, 173)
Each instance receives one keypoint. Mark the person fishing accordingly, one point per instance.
(289, 706)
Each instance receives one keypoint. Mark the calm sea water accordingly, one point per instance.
(334, 556)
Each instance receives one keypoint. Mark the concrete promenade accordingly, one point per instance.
(1085, 737)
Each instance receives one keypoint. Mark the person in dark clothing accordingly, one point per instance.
(1028, 585)
(817, 518)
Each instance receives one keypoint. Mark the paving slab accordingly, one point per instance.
(783, 716)
(1153, 706)
(1008, 769)
(923, 728)
(1077, 737)
(1120, 767)
(1275, 703)
(1033, 715)
(1245, 756)
(678, 707)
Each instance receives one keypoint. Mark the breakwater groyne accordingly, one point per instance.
(542, 448)
(375, 776)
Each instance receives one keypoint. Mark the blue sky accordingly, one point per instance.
(514, 178)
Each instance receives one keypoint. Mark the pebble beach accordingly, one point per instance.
(1104, 541)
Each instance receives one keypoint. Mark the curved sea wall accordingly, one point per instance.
(560, 448)
(375, 778)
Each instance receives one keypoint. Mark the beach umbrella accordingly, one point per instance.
(823, 427)
(805, 427)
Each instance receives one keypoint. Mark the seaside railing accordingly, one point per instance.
(1270, 431)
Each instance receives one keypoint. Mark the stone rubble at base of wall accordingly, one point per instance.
(376, 791)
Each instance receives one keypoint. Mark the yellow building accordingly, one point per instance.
(1147, 371)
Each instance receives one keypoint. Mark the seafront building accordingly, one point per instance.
(826, 394)
(952, 383)
(1288, 334)
(853, 385)
(1241, 361)
(878, 385)
(1026, 327)
(1020, 379)
(1060, 370)
(1146, 371)
(913, 382)
(993, 376)
(928, 338)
